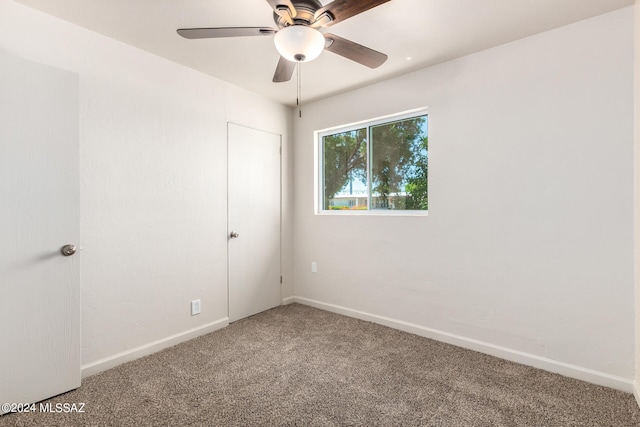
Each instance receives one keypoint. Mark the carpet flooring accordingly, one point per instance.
(299, 366)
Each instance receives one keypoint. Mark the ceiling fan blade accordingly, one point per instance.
(354, 51)
(213, 33)
(339, 10)
(284, 8)
(284, 71)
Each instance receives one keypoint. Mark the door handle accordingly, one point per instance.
(234, 235)
(68, 250)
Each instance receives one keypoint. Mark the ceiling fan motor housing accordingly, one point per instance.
(305, 11)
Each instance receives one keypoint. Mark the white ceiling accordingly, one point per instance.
(427, 31)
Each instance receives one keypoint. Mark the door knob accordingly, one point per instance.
(68, 250)
(234, 235)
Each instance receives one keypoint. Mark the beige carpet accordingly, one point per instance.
(299, 366)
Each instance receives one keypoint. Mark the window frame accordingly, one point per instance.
(367, 125)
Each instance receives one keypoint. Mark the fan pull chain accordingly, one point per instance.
(299, 90)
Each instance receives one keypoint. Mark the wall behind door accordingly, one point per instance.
(153, 184)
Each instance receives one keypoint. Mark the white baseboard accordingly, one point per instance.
(636, 391)
(145, 350)
(288, 300)
(566, 369)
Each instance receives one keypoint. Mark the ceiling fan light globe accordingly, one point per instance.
(299, 43)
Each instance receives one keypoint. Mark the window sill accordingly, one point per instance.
(375, 212)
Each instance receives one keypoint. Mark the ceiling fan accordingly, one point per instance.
(297, 37)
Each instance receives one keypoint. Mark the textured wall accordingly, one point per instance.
(153, 174)
(528, 244)
(636, 21)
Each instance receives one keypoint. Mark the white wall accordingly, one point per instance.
(153, 185)
(527, 251)
(636, 21)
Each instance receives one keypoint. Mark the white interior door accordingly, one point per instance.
(39, 214)
(254, 215)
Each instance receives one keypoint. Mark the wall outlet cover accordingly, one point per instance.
(195, 307)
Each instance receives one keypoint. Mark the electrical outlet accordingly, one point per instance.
(314, 267)
(195, 307)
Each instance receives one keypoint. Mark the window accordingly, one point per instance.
(377, 167)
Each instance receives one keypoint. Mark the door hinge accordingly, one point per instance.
(280, 279)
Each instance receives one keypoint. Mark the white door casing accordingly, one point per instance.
(39, 213)
(254, 214)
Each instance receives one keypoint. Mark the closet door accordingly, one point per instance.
(253, 221)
